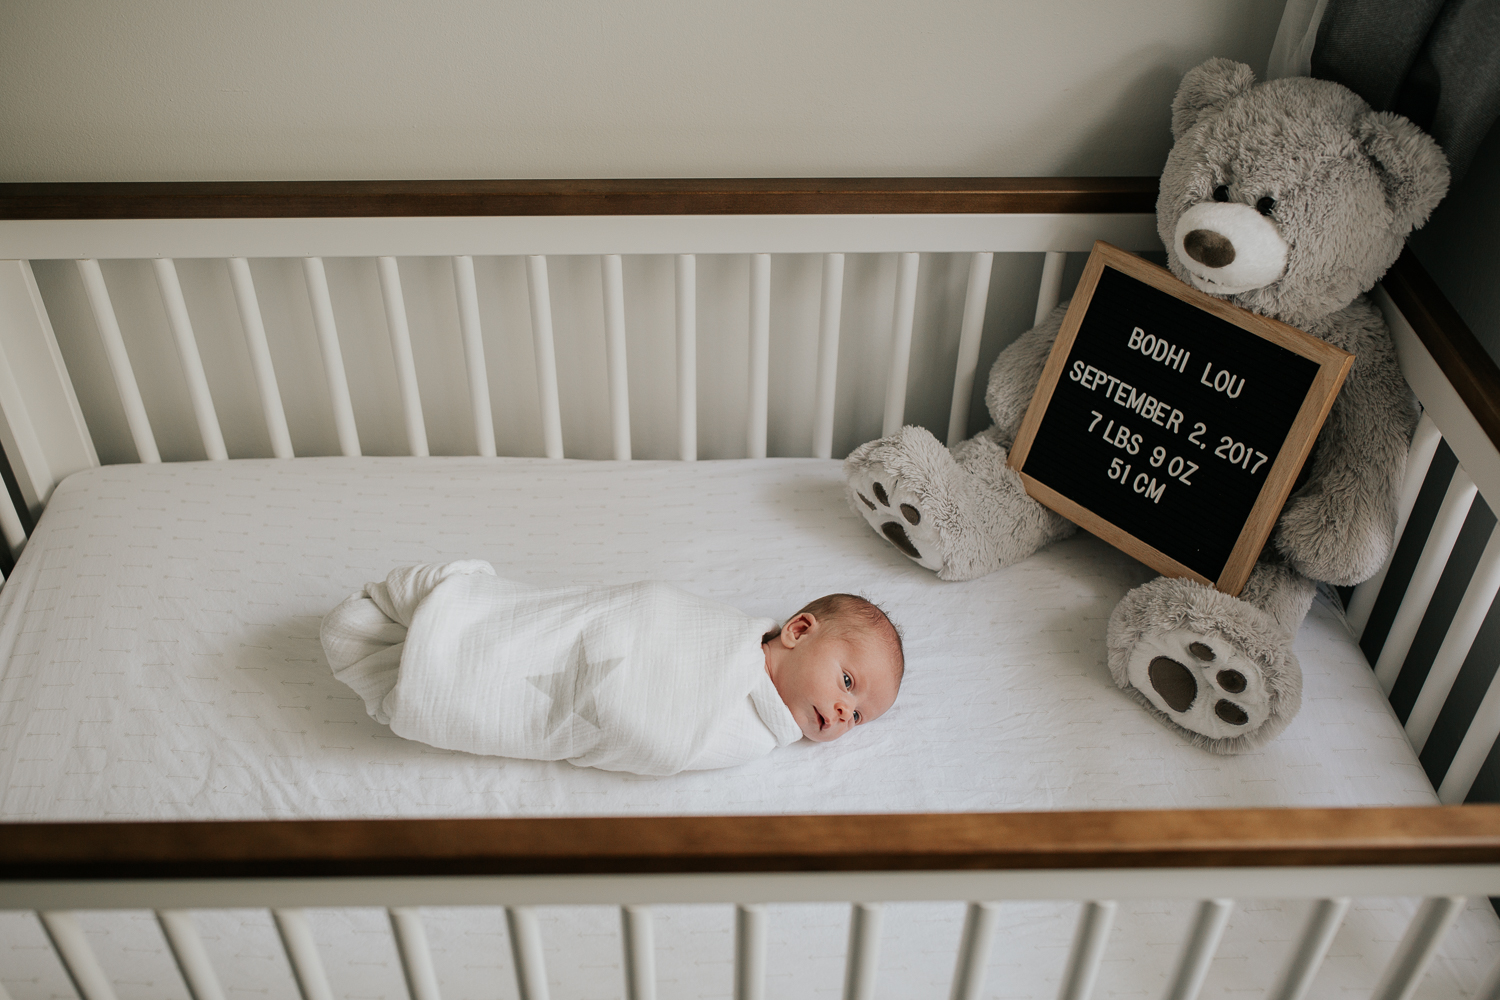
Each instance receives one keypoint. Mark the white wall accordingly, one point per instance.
(292, 89)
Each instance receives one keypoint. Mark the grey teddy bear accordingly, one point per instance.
(1289, 198)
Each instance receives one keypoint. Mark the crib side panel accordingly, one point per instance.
(1430, 621)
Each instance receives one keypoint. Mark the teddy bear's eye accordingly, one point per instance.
(1266, 205)
(1221, 193)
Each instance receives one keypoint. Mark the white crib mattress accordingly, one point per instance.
(161, 660)
(161, 655)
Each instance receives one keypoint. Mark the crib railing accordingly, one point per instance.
(1216, 856)
(1422, 619)
(607, 220)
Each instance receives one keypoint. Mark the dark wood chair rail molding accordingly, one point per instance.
(745, 196)
(613, 845)
(1465, 362)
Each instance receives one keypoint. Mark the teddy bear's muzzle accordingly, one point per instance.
(1228, 248)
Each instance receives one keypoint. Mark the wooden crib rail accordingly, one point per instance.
(1209, 838)
(712, 196)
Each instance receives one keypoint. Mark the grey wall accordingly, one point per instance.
(1460, 245)
(292, 89)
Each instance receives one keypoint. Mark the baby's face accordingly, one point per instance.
(831, 683)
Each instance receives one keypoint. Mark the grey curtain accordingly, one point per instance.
(1435, 61)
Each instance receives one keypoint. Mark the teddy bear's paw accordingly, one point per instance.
(896, 512)
(1214, 667)
(1202, 683)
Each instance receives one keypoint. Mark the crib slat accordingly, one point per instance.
(416, 957)
(1424, 442)
(467, 291)
(901, 326)
(302, 954)
(1483, 586)
(546, 355)
(1424, 579)
(260, 356)
(78, 961)
(316, 279)
(1198, 954)
(1089, 939)
(406, 368)
(640, 952)
(687, 357)
(974, 951)
(760, 353)
(864, 951)
(192, 958)
(1475, 747)
(187, 354)
(1050, 292)
(1312, 946)
(750, 952)
(1431, 922)
(526, 952)
(830, 315)
(971, 332)
(614, 351)
(119, 361)
(11, 528)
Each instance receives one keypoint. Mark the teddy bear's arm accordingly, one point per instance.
(1014, 376)
(1340, 526)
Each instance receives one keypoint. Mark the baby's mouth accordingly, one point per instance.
(822, 722)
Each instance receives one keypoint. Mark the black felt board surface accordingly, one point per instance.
(1218, 401)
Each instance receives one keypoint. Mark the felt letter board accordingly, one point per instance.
(1171, 423)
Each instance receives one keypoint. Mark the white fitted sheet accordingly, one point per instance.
(161, 661)
(161, 653)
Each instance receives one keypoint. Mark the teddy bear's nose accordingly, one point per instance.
(1209, 248)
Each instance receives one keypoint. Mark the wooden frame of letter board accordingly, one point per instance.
(1333, 365)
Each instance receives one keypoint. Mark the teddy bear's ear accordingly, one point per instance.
(1206, 88)
(1412, 166)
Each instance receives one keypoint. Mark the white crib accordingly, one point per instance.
(696, 249)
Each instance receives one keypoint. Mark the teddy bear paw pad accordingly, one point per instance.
(1203, 683)
(896, 514)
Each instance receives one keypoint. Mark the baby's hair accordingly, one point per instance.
(845, 614)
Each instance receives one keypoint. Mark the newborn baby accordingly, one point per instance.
(642, 677)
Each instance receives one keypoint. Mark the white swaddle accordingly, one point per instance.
(642, 677)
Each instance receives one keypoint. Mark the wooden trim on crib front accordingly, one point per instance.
(692, 196)
(626, 845)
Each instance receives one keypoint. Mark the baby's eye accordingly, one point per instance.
(848, 682)
(856, 718)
